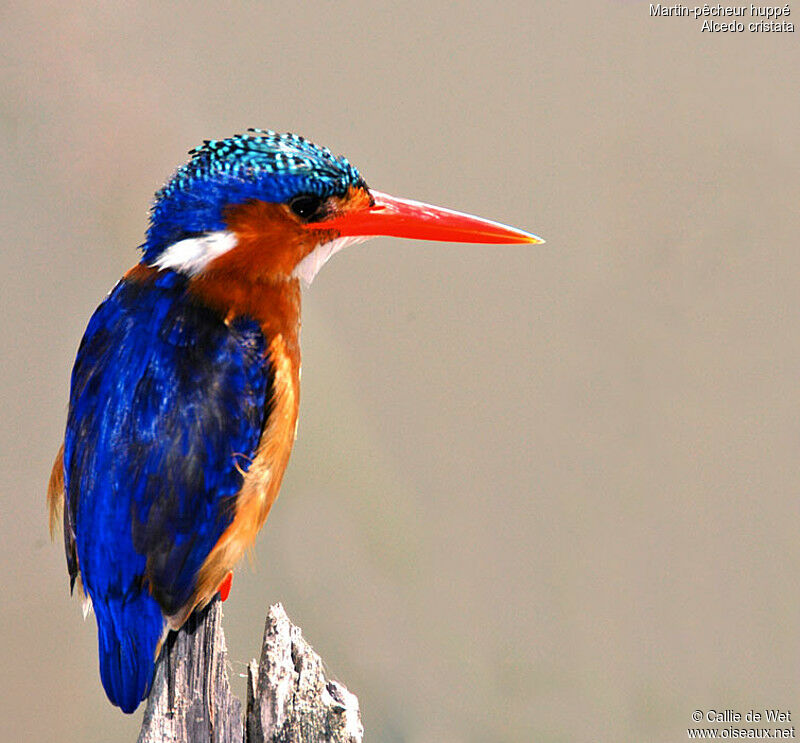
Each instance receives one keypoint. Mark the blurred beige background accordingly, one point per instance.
(539, 494)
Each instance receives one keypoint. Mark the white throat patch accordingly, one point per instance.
(309, 267)
(192, 255)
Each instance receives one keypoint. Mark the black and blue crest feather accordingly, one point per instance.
(258, 164)
(167, 407)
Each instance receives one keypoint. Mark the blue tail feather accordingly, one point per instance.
(128, 631)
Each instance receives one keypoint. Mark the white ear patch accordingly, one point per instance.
(309, 267)
(192, 255)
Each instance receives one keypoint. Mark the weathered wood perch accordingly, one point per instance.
(289, 700)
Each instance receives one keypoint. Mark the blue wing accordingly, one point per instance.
(167, 406)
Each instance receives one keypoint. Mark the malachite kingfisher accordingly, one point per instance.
(185, 389)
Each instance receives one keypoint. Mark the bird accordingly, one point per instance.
(184, 394)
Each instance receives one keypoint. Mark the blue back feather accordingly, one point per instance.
(259, 165)
(167, 407)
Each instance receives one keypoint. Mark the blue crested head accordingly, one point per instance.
(257, 165)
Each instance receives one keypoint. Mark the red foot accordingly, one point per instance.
(225, 587)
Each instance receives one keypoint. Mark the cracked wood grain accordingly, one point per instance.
(289, 697)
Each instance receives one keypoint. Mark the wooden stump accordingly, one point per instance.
(289, 700)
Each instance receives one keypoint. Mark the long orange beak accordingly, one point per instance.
(395, 217)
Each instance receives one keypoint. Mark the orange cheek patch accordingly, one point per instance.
(269, 242)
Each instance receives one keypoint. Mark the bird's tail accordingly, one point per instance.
(128, 634)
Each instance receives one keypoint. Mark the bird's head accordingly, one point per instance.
(276, 206)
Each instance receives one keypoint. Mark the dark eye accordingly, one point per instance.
(306, 206)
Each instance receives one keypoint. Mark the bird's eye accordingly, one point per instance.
(306, 206)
